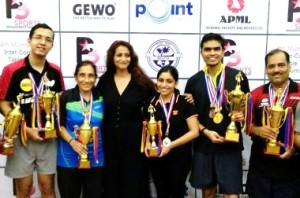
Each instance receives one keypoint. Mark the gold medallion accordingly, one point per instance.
(218, 117)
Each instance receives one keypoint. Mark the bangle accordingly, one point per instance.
(202, 130)
(70, 140)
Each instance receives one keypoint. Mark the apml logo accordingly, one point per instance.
(86, 50)
(235, 5)
(162, 53)
(232, 52)
(160, 11)
(293, 7)
(18, 7)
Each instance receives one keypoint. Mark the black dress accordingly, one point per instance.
(125, 168)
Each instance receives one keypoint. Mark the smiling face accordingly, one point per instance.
(85, 78)
(122, 58)
(212, 53)
(166, 84)
(278, 69)
(41, 42)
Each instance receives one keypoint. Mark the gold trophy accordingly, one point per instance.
(84, 135)
(153, 129)
(48, 101)
(275, 119)
(11, 126)
(236, 101)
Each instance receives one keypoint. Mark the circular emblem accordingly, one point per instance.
(26, 84)
(218, 118)
(162, 53)
(166, 142)
(158, 11)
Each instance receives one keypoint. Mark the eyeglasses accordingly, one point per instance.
(40, 38)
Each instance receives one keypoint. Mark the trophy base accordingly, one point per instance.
(153, 152)
(7, 151)
(48, 134)
(84, 164)
(272, 150)
(232, 137)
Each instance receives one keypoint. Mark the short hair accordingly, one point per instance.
(212, 36)
(172, 70)
(40, 25)
(85, 63)
(275, 51)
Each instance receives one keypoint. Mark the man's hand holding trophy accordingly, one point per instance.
(239, 103)
(11, 126)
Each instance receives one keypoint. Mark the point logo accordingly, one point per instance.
(21, 9)
(162, 53)
(86, 50)
(293, 7)
(232, 52)
(235, 5)
(160, 11)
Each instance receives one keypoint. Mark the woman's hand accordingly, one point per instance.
(78, 147)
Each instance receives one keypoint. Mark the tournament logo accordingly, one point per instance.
(232, 52)
(293, 7)
(235, 5)
(162, 53)
(86, 50)
(18, 7)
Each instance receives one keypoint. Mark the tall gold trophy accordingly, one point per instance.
(11, 126)
(236, 101)
(275, 119)
(48, 101)
(84, 135)
(153, 129)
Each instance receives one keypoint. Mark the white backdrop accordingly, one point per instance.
(85, 29)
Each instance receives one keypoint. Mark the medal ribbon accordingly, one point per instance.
(215, 94)
(37, 90)
(167, 112)
(83, 107)
(272, 95)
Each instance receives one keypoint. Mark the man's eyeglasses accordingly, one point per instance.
(41, 38)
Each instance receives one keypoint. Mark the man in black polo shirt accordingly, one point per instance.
(216, 161)
(27, 77)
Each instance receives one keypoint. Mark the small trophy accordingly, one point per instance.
(236, 101)
(84, 135)
(48, 101)
(11, 126)
(153, 129)
(275, 119)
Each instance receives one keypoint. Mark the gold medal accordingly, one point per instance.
(211, 112)
(218, 117)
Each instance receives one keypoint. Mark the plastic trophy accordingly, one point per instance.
(275, 119)
(84, 135)
(48, 101)
(11, 125)
(236, 101)
(153, 129)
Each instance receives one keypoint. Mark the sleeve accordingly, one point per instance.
(5, 82)
(189, 109)
(188, 87)
(98, 86)
(297, 118)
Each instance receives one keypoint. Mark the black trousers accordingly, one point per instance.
(169, 174)
(73, 182)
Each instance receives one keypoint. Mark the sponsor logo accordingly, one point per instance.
(160, 11)
(94, 11)
(162, 53)
(26, 85)
(293, 7)
(235, 5)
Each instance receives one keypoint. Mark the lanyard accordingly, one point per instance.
(273, 97)
(168, 112)
(84, 108)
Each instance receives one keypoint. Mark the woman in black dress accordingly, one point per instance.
(124, 87)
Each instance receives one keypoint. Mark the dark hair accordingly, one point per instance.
(40, 25)
(212, 36)
(174, 73)
(172, 70)
(133, 68)
(275, 51)
(85, 63)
